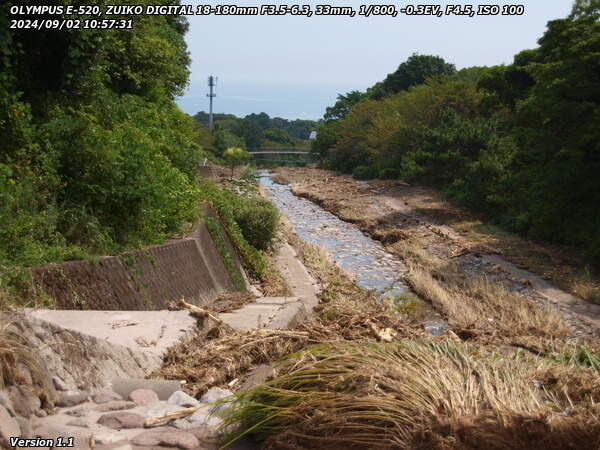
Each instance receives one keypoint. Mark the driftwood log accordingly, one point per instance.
(196, 311)
(163, 418)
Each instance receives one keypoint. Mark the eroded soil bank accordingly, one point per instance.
(409, 219)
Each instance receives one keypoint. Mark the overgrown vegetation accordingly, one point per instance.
(219, 237)
(252, 223)
(256, 130)
(95, 156)
(518, 142)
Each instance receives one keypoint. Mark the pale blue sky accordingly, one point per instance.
(294, 67)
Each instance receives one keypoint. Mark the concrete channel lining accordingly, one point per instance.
(190, 268)
(78, 357)
(267, 312)
(151, 332)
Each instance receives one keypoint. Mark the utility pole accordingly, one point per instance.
(212, 82)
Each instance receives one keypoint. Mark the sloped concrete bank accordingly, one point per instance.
(189, 268)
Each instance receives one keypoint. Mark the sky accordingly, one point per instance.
(294, 67)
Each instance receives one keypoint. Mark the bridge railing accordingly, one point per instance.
(278, 149)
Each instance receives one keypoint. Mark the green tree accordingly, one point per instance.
(556, 184)
(583, 8)
(277, 136)
(94, 152)
(510, 83)
(249, 131)
(235, 156)
(414, 71)
(327, 136)
(223, 139)
(343, 105)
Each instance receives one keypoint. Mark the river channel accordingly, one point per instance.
(372, 266)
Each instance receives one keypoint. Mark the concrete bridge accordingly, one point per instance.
(262, 154)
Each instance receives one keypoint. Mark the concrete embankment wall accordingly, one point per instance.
(190, 268)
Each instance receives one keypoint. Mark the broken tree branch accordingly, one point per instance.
(197, 311)
(167, 417)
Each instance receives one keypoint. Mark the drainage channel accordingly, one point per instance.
(373, 267)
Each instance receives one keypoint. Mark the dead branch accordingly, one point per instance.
(167, 417)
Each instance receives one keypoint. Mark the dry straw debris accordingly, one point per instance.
(476, 307)
(340, 383)
(412, 394)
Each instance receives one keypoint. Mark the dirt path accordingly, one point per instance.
(393, 212)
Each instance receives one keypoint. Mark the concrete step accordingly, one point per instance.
(268, 312)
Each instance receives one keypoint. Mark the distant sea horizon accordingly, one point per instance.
(289, 101)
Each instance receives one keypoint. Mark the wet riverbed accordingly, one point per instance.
(351, 250)
(373, 267)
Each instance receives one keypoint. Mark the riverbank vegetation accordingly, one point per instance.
(256, 130)
(95, 156)
(517, 142)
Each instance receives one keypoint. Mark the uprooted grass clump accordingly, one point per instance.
(413, 394)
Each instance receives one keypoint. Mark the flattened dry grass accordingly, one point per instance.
(477, 307)
(215, 357)
(411, 394)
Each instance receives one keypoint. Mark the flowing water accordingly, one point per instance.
(373, 267)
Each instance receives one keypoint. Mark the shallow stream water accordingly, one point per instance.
(373, 267)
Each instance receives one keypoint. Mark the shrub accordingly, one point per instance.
(227, 203)
(364, 173)
(389, 173)
(258, 219)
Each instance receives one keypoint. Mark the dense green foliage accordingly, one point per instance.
(235, 156)
(256, 130)
(94, 153)
(228, 204)
(259, 220)
(414, 71)
(95, 156)
(520, 142)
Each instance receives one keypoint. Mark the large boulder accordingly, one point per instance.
(121, 420)
(168, 437)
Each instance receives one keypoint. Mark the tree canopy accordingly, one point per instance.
(414, 71)
(94, 155)
(520, 142)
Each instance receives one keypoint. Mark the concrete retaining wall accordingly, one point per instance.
(79, 359)
(189, 268)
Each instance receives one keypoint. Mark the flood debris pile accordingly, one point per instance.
(361, 375)
(415, 394)
(221, 361)
(477, 307)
